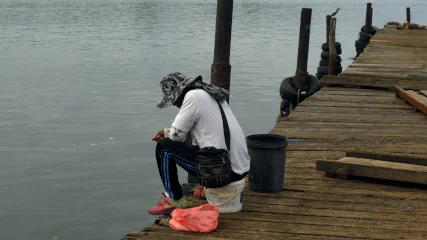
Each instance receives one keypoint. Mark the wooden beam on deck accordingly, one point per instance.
(362, 167)
(418, 101)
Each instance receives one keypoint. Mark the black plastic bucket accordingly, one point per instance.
(268, 156)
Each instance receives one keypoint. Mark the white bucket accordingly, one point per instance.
(228, 199)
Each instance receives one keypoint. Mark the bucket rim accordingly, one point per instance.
(281, 141)
(267, 134)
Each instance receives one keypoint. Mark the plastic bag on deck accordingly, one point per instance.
(203, 219)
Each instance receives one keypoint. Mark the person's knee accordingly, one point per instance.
(163, 144)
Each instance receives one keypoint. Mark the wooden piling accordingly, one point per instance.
(328, 26)
(332, 65)
(368, 20)
(221, 68)
(301, 75)
(408, 15)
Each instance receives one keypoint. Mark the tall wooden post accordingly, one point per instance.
(328, 26)
(221, 68)
(301, 75)
(368, 20)
(408, 15)
(332, 65)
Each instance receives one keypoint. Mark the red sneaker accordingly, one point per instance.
(167, 205)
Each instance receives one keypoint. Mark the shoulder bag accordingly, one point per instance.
(213, 166)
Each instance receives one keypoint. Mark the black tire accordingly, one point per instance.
(339, 51)
(324, 55)
(319, 76)
(339, 69)
(287, 90)
(370, 31)
(314, 86)
(324, 62)
(360, 44)
(322, 70)
(323, 58)
(364, 37)
(285, 108)
(325, 46)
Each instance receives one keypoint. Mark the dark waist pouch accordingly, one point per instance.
(213, 167)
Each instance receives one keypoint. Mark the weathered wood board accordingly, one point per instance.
(390, 157)
(418, 101)
(362, 167)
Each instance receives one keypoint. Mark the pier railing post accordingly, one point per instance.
(301, 75)
(332, 65)
(328, 26)
(221, 68)
(408, 15)
(368, 20)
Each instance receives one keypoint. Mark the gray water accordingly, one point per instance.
(79, 82)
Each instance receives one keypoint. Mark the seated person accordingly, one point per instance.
(200, 117)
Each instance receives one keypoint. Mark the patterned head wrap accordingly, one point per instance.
(174, 84)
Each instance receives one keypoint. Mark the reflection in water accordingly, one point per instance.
(80, 82)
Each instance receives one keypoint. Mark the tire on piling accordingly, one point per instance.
(287, 90)
(360, 45)
(370, 31)
(364, 37)
(325, 46)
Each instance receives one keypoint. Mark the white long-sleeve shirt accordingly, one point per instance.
(200, 115)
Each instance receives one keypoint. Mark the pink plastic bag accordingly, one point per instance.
(203, 219)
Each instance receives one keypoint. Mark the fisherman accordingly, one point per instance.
(199, 119)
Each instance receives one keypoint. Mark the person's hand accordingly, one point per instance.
(159, 135)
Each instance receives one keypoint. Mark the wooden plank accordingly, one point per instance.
(375, 169)
(321, 204)
(361, 110)
(399, 158)
(383, 71)
(374, 82)
(387, 75)
(344, 214)
(368, 196)
(314, 220)
(354, 118)
(158, 232)
(394, 105)
(355, 99)
(313, 230)
(424, 92)
(413, 98)
(392, 66)
(351, 145)
(340, 136)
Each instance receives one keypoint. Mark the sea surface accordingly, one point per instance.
(79, 84)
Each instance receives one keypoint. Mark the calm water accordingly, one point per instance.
(79, 82)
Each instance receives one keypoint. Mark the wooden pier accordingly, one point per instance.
(337, 119)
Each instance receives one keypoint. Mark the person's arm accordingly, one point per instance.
(183, 122)
(185, 119)
(175, 134)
